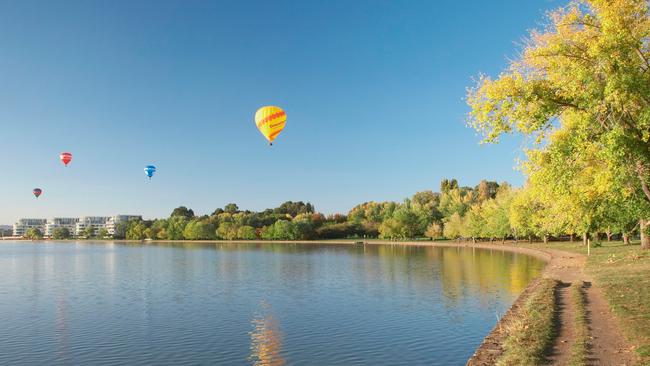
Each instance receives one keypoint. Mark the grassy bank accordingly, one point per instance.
(531, 332)
(623, 273)
(580, 348)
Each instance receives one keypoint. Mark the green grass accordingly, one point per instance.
(623, 273)
(531, 332)
(580, 346)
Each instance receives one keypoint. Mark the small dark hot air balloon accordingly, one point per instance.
(149, 170)
(37, 192)
(65, 157)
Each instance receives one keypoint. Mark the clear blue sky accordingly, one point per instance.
(374, 93)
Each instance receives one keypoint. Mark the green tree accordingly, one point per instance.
(454, 226)
(198, 229)
(231, 208)
(60, 233)
(33, 234)
(102, 233)
(182, 211)
(434, 231)
(89, 232)
(175, 227)
(246, 233)
(136, 230)
(588, 73)
(120, 230)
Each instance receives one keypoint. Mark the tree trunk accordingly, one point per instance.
(626, 239)
(609, 234)
(585, 237)
(571, 238)
(645, 238)
(530, 239)
(545, 239)
(503, 240)
(473, 240)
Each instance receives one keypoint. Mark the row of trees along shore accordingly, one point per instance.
(488, 211)
(580, 88)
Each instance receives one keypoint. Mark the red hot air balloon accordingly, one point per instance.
(37, 192)
(66, 158)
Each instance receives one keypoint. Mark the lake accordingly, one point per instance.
(74, 303)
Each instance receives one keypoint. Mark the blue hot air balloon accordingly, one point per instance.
(149, 170)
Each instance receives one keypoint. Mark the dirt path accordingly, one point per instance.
(607, 343)
(561, 352)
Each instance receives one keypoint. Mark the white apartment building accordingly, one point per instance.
(96, 222)
(115, 220)
(22, 225)
(69, 223)
(75, 225)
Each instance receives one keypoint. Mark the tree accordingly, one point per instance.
(447, 185)
(231, 208)
(434, 231)
(61, 233)
(182, 211)
(175, 227)
(246, 233)
(89, 232)
(198, 229)
(136, 230)
(227, 231)
(454, 227)
(591, 65)
(294, 208)
(120, 230)
(455, 200)
(33, 234)
(102, 233)
(485, 190)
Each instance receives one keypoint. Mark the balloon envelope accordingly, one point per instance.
(270, 120)
(65, 157)
(37, 192)
(149, 170)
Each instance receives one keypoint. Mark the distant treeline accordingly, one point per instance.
(487, 211)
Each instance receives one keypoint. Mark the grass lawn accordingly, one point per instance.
(623, 272)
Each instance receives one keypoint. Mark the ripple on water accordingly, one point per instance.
(186, 304)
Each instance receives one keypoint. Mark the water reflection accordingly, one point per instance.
(199, 303)
(266, 339)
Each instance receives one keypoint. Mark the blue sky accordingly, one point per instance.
(373, 90)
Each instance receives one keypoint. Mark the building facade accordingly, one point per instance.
(69, 223)
(76, 226)
(95, 222)
(22, 225)
(114, 221)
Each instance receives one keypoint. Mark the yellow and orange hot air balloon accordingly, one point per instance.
(270, 120)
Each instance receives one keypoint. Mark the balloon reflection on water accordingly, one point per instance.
(266, 339)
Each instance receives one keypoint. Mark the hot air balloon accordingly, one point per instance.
(270, 121)
(65, 157)
(37, 192)
(149, 170)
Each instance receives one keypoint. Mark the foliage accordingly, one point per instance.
(33, 234)
(89, 231)
(183, 211)
(60, 233)
(582, 87)
(102, 233)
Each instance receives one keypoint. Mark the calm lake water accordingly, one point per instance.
(271, 304)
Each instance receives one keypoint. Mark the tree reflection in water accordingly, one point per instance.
(266, 339)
